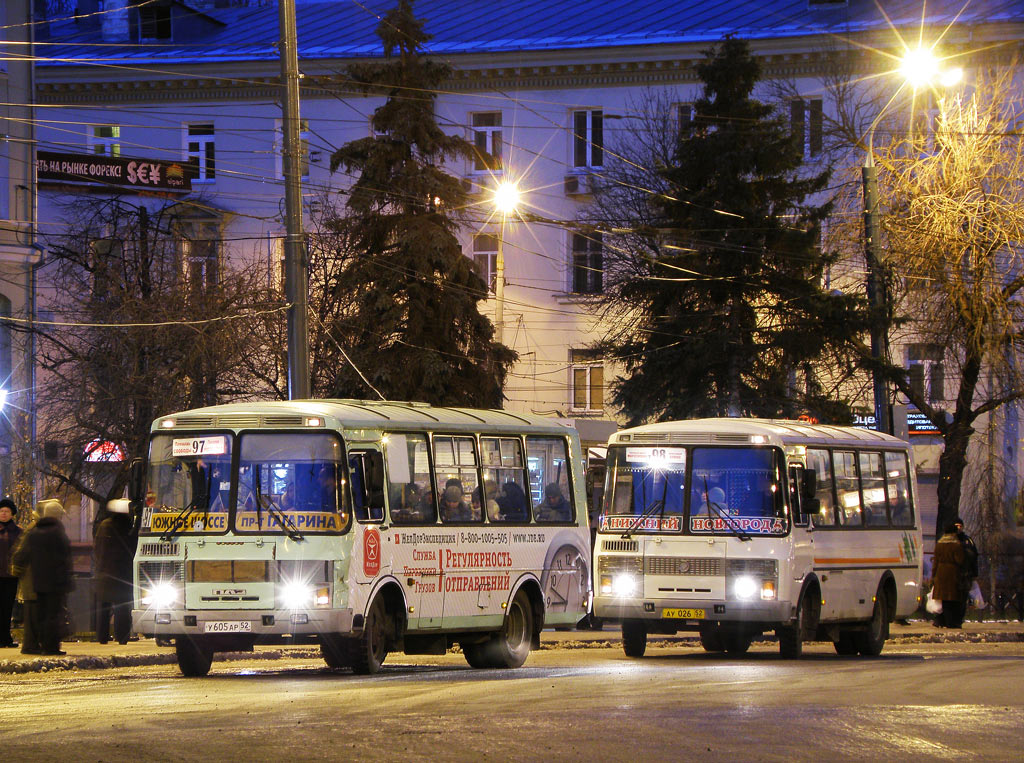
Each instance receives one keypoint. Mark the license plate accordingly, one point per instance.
(683, 614)
(228, 626)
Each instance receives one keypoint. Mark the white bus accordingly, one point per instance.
(734, 527)
(366, 527)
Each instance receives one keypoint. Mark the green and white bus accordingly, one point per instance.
(366, 527)
(733, 527)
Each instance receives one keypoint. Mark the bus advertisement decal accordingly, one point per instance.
(371, 552)
(165, 522)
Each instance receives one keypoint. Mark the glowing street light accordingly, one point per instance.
(506, 201)
(920, 67)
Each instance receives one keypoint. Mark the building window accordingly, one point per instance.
(202, 262)
(485, 258)
(303, 143)
(805, 118)
(105, 139)
(924, 367)
(588, 138)
(684, 119)
(154, 20)
(587, 380)
(587, 263)
(487, 141)
(200, 154)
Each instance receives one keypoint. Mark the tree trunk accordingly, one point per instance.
(953, 460)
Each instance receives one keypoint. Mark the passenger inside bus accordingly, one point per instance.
(554, 508)
(454, 507)
(512, 502)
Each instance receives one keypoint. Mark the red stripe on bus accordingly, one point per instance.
(844, 560)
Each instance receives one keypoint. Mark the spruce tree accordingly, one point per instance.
(722, 286)
(413, 326)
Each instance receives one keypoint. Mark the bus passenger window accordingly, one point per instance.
(548, 462)
(455, 468)
(847, 487)
(872, 484)
(898, 487)
(504, 492)
(408, 472)
(820, 465)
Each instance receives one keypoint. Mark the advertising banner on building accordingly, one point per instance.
(113, 171)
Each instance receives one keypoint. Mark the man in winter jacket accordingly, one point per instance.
(949, 573)
(9, 534)
(114, 549)
(45, 554)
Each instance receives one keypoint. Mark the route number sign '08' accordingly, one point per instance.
(199, 446)
(649, 455)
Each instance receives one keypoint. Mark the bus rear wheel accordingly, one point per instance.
(194, 656)
(871, 641)
(371, 647)
(510, 646)
(634, 638)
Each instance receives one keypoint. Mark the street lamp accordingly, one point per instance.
(506, 201)
(920, 68)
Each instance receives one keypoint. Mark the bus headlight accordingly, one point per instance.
(745, 587)
(624, 585)
(161, 595)
(296, 595)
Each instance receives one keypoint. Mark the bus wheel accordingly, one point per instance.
(475, 654)
(791, 643)
(372, 646)
(194, 656)
(871, 641)
(711, 639)
(634, 638)
(510, 647)
(847, 644)
(737, 642)
(334, 650)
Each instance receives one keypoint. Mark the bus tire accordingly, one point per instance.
(334, 649)
(871, 641)
(371, 647)
(737, 642)
(846, 643)
(791, 637)
(194, 656)
(711, 639)
(475, 654)
(510, 646)
(634, 638)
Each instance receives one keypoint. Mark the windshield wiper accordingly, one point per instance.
(657, 502)
(201, 496)
(274, 510)
(184, 514)
(730, 521)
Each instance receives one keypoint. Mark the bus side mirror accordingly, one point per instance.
(808, 488)
(375, 482)
(136, 482)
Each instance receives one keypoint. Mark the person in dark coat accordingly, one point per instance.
(114, 550)
(45, 554)
(9, 535)
(948, 568)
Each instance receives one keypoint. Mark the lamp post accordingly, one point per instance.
(506, 201)
(919, 68)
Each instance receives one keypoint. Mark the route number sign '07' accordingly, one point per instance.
(199, 446)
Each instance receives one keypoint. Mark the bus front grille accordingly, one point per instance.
(673, 565)
(620, 545)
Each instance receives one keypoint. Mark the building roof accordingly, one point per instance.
(331, 29)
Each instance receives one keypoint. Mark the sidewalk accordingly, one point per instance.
(89, 655)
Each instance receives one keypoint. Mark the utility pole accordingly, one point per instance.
(876, 290)
(296, 266)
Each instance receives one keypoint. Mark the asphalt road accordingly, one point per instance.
(918, 701)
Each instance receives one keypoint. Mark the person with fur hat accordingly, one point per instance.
(114, 550)
(44, 555)
(9, 534)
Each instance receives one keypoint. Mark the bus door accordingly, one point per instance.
(366, 475)
(412, 540)
(800, 501)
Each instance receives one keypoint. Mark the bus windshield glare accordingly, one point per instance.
(736, 491)
(189, 483)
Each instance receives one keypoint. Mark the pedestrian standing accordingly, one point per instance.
(948, 571)
(44, 555)
(970, 568)
(115, 550)
(9, 535)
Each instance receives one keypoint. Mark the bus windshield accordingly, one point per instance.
(189, 483)
(291, 483)
(645, 489)
(736, 491)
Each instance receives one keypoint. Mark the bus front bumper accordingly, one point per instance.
(687, 614)
(263, 625)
